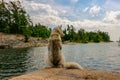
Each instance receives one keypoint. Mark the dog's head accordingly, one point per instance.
(58, 29)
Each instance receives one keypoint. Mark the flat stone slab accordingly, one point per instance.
(69, 74)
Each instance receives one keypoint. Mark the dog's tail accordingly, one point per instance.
(72, 65)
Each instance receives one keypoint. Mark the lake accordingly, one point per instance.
(102, 56)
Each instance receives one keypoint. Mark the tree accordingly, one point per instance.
(13, 17)
(19, 17)
(26, 33)
(40, 31)
(4, 16)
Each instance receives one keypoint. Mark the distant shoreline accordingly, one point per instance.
(68, 42)
(17, 41)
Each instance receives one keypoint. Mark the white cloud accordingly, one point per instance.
(8, 0)
(85, 9)
(50, 20)
(112, 16)
(41, 8)
(94, 10)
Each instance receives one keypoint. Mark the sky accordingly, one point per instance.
(91, 15)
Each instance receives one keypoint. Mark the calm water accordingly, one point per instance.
(105, 56)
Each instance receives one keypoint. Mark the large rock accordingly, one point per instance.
(17, 41)
(69, 74)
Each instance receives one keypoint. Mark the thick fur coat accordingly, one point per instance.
(55, 56)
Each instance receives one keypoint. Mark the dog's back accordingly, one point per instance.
(54, 48)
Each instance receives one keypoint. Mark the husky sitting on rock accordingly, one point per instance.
(55, 56)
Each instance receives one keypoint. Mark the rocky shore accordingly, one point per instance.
(17, 41)
(69, 74)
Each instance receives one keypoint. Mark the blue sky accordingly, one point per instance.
(91, 15)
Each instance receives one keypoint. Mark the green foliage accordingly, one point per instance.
(26, 33)
(82, 36)
(6, 29)
(13, 16)
(4, 13)
(40, 31)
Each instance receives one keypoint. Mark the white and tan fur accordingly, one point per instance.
(55, 56)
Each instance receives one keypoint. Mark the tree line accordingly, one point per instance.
(15, 20)
(82, 36)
